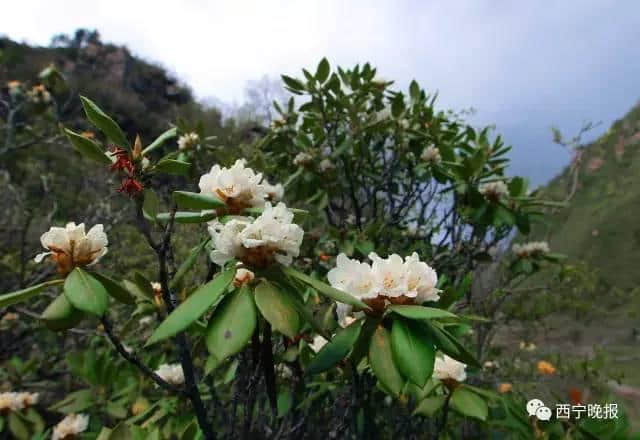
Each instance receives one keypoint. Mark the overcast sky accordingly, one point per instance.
(523, 65)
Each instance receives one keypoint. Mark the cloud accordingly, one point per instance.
(522, 65)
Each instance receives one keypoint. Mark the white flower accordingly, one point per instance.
(389, 275)
(171, 373)
(70, 426)
(325, 165)
(71, 246)
(531, 248)
(353, 277)
(243, 276)
(449, 368)
(318, 343)
(12, 401)
(188, 141)
(275, 192)
(145, 321)
(421, 279)
(238, 187)
(156, 287)
(379, 81)
(39, 94)
(431, 154)
(270, 236)
(302, 159)
(145, 163)
(494, 190)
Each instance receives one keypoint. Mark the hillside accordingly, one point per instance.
(601, 224)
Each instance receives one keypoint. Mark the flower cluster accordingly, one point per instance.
(13, 401)
(39, 94)
(447, 368)
(171, 373)
(386, 280)
(71, 246)
(302, 159)
(272, 236)
(239, 187)
(494, 190)
(70, 426)
(531, 249)
(431, 154)
(188, 141)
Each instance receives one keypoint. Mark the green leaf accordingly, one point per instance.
(413, 351)
(11, 298)
(293, 84)
(414, 90)
(87, 147)
(278, 309)
(430, 406)
(187, 217)
(115, 289)
(381, 360)
(104, 122)
(85, 292)
(172, 166)
(75, 402)
(448, 344)
(17, 427)
(160, 140)
(322, 72)
(191, 200)
(420, 312)
(336, 349)
(469, 404)
(232, 324)
(151, 205)
(193, 307)
(188, 263)
(60, 314)
(325, 289)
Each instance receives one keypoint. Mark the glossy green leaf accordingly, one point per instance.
(11, 298)
(18, 427)
(336, 349)
(188, 263)
(429, 406)
(87, 147)
(187, 217)
(191, 200)
(151, 205)
(104, 122)
(413, 351)
(468, 403)
(75, 402)
(114, 289)
(172, 166)
(278, 309)
(160, 140)
(325, 289)
(232, 324)
(85, 292)
(382, 364)
(293, 84)
(193, 307)
(448, 344)
(60, 314)
(420, 312)
(322, 72)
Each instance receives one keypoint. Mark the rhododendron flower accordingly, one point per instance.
(188, 141)
(12, 401)
(302, 159)
(386, 280)
(70, 426)
(447, 368)
(243, 276)
(274, 192)
(494, 190)
(318, 343)
(270, 237)
(39, 94)
(504, 388)
(239, 187)
(531, 249)
(325, 165)
(431, 154)
(545, 368)
(71, 246)
(171, 373)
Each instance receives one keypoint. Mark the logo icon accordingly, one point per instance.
(535, 407)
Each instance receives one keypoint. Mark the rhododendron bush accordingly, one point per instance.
(328, 293)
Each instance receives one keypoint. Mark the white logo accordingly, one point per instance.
(535, 407)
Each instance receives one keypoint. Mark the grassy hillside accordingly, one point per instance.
(601, 225)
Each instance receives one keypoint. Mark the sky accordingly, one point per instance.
(523, 66)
